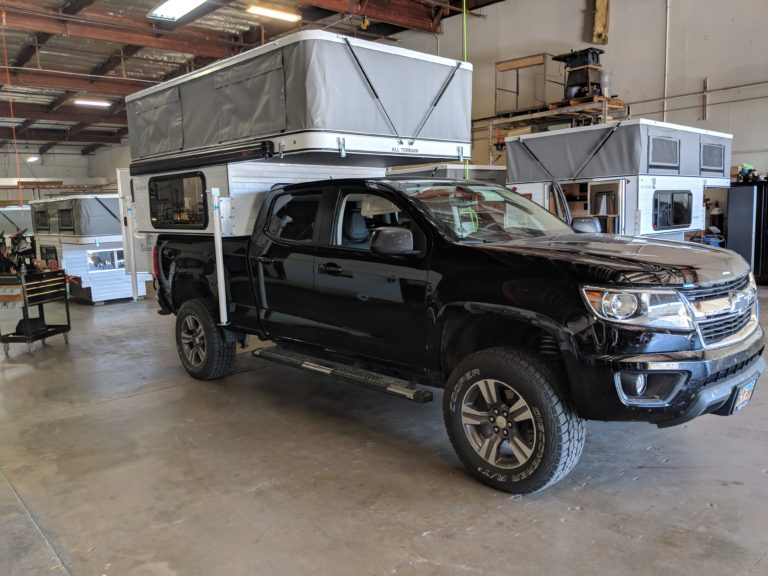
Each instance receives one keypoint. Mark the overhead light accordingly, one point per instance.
(174, 9)
(91, 102)
(31, 159)
(275, 13)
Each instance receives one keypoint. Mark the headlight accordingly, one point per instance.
(662, 309)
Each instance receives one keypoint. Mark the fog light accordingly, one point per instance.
(633, 384)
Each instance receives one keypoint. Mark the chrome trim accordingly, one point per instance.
(649, 402)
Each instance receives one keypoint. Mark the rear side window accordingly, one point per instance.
(672, 209)
(178, 201)
(292, 216)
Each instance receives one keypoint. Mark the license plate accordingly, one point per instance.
(744, 395)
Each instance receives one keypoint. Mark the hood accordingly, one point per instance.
(606, 258)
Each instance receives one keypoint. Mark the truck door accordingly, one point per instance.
(368, 304)
(282, 265)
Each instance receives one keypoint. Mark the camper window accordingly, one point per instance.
(102, 260)
(48, 253)
(66, 221)
(42, 221)
(178, 201)
(672, 209)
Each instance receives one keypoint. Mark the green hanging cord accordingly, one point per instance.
(464, 28)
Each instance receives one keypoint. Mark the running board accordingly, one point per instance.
(371, 380)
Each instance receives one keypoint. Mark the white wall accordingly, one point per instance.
(725, 42)
(61, 164)
(105, 162)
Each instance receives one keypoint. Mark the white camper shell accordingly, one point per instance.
(83, 234)
(638, 177)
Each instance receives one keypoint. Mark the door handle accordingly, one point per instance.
(265, 260)
(331, 269)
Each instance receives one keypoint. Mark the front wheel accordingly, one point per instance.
(203, 351)
(507, 422)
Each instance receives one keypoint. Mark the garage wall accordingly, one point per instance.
(65, 165)
(105, 162)
(725, 42)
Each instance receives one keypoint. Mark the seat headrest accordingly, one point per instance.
(354, 226)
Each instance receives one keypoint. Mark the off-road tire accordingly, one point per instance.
(556, 442)
(219, 354)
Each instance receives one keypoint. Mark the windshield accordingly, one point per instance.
(470, 211)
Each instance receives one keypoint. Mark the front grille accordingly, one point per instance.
(719, 327)
(712, 291)
(728, 372)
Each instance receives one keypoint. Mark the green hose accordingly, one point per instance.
(464, 29)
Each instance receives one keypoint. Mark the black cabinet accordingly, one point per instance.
(747, 231)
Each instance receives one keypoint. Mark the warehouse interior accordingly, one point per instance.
(117, 457)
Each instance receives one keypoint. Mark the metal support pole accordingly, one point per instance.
(218, 247)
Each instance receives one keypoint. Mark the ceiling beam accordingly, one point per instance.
(45, 147)
(405, 13)
(107, 85)
(108, 28)
(91, 148)
(67, 114)
(116, 60)
(62, 136)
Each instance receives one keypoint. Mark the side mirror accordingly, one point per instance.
(391, 241)
(587, 225)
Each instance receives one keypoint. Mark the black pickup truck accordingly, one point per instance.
(530, 327)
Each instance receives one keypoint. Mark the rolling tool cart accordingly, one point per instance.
(26, 291)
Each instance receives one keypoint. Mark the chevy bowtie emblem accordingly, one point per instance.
(740, 302)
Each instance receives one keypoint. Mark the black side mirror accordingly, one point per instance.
(587, 225)
(391, 241)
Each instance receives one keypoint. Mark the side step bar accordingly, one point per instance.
(371, 380)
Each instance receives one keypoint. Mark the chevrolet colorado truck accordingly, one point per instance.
(530, 328)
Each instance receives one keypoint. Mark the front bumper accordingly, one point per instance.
(711, 376)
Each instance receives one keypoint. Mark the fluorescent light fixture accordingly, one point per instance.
(275, 13)
(174, 9)
(31, 159)
(92, 102)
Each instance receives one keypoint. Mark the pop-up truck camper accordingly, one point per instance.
(638, 177)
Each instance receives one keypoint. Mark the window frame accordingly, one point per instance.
(47, 248)
(117, 260)
(655, 210)
(47, 226)
(320, 192)
(180, 176)
(705, 168)
(663, 165)
(62, 228)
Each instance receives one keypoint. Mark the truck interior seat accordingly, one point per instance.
(355, 232)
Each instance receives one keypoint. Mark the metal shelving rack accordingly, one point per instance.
(26, 291)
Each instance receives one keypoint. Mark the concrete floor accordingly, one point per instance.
(115, 462)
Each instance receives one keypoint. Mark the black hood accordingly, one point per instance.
(607, 258)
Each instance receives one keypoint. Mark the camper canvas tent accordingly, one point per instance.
(639, 177)
(310, 106)
(310, 92)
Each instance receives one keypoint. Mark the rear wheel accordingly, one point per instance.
(507, 422)
(203, 351)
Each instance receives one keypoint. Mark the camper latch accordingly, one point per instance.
(342, 142)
